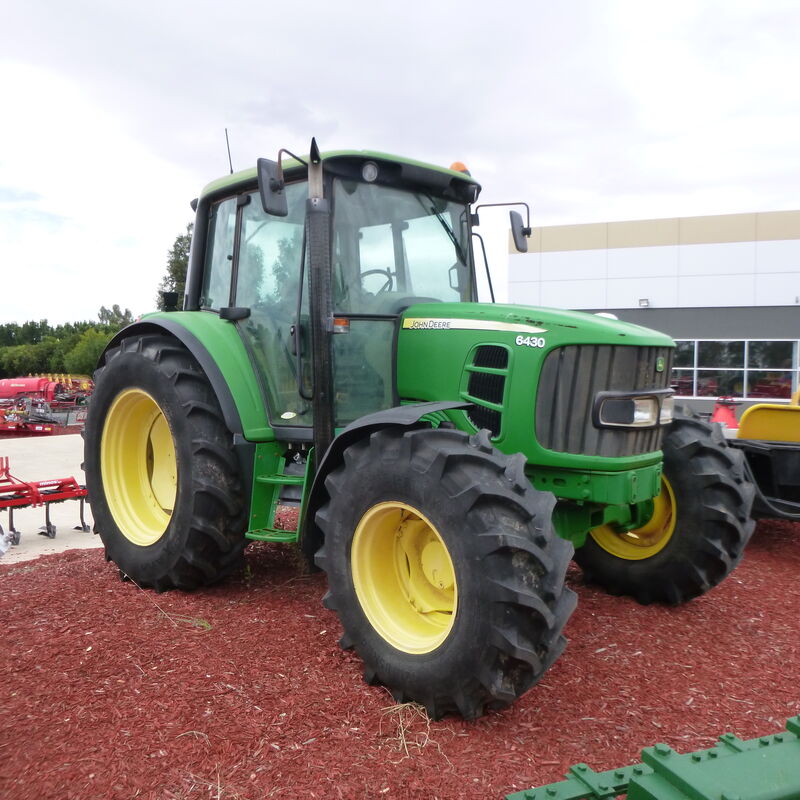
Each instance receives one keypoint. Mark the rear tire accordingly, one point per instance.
(161, 473)
(444, 569)
(699, 530)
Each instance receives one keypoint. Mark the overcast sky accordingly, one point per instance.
(113, 116)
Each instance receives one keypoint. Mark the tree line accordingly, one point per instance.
(36, 347)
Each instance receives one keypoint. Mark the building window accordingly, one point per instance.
(747, 369)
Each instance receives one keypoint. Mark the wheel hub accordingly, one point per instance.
(650, 538)
(404, 577)
(137, 459)
(437, 567)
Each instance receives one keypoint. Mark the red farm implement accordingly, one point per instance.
(43, 405)
(16, 493)
(14, 425)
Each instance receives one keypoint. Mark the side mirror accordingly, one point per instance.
(519, 232)
(271, 187)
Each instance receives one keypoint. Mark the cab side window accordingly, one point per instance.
(219, 255)
(269, 255)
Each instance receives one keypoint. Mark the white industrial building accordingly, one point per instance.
(726, 288)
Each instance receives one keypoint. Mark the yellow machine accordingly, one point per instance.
(769, 436)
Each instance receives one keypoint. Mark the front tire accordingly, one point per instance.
(700, 525)
(444, 569)
(160, 469)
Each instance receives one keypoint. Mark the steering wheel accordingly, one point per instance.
(387, 273)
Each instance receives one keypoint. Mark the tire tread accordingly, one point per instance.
(524, 562)
(715, 533)
(214, 544)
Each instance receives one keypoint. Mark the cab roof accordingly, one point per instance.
(292, 165)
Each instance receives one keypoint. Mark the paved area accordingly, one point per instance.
(36, 459)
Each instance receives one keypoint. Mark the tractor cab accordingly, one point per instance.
(399, 235)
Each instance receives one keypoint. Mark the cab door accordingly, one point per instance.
(254, 261)
(392, 248)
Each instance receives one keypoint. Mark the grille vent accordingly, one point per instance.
(486, 389)
(487, 386)
(487, 418)
(492, 356)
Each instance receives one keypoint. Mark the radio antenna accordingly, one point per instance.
(228, 145)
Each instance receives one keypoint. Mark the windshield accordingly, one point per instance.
(394, 247)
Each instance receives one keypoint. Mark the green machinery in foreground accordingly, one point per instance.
(446, 455)
(765, 768)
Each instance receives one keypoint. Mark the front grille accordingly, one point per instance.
(570, 380)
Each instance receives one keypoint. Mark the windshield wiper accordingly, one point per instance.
(448, 230)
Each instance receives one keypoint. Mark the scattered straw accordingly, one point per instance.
(410, 730)
(202, 624)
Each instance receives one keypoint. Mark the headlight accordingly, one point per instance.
(618, 410)
(667, 410)
(629, 411)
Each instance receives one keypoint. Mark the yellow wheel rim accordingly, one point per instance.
(648, 540)
(404, 577)
(137, 459)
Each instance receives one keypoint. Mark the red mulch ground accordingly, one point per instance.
(111, 692)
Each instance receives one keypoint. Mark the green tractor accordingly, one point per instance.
(445, 455)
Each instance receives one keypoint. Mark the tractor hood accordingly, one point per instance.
(522, 368)
(552, 325)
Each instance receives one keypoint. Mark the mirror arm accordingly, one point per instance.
(271, 183)
(526, 230)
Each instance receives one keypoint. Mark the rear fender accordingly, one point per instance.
(218, 383)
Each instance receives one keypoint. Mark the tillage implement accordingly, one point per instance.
(446, 456)
(764, 768)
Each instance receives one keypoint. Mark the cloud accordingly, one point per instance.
(10, 195)
(80, 186)
(589, 111)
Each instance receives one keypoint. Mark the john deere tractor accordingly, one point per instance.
(446, 455)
